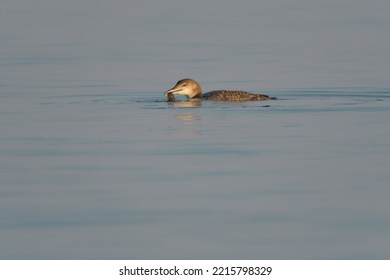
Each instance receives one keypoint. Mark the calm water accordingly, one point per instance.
(96, 165)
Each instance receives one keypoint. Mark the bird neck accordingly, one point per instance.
(197, 95)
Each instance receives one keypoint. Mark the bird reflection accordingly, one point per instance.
(188, 117)
(184, 104)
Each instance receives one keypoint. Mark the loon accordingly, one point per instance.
(192, 90)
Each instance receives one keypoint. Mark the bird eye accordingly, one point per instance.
(183, 85)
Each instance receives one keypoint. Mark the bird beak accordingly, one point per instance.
(172, 90)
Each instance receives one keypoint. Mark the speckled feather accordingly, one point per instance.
(234, 95)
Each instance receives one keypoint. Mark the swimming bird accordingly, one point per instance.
(192, 90)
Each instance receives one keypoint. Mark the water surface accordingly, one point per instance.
(95, 164)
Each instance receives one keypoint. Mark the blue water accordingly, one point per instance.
(95, 164)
